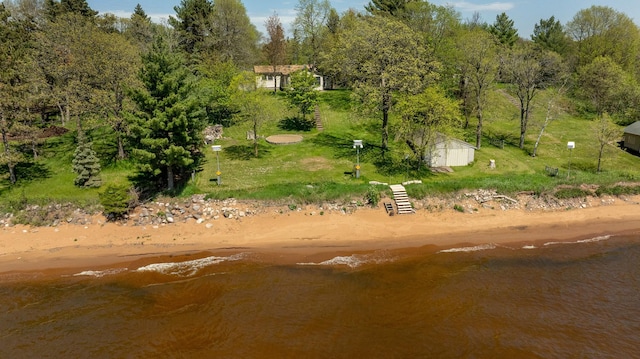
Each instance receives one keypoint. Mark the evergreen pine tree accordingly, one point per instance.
(167, 129)
(503, 29)
(86, 165)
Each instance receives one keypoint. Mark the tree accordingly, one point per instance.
(389, 7)
(425, 116)
(20, 88)
(504, 30)
(68, 54)
(119, 62)
(606, 133)
(192, 24)
(252, 104)
(167, 127)
(550, 35)
(552, 111)
(275, 49)
(54, 9)
(301, 93)
(478, 65)
(606, 86)
(233, 37)
(602, 31)
(139, 29)
(86, 165)
(309, 25)
(528, 71)
(381, 57)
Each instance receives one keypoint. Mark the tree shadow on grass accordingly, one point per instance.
(26, 172)
(296, 124)
(245, 152)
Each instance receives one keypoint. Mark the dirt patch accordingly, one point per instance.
(316, 164)
(284, 139)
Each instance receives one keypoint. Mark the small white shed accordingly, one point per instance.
(449, 152)
(632, 136)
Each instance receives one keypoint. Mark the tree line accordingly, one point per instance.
(146, 91)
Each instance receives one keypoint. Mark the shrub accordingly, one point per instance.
(117, 200)
(458, 208)
(373, 196)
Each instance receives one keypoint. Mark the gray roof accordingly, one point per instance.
(633, 129)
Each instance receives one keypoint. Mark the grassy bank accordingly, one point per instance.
(319, 168)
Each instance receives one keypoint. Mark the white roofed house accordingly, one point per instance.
(268, 77)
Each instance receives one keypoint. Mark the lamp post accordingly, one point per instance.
(570, 145)
(217, 149)
(357, 144)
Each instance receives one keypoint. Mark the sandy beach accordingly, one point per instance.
(300, 235)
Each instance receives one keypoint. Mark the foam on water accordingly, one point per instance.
(187, 268)
(482, 247)
(100, 273)
(589, 240)
(353, 261)
(529, 247)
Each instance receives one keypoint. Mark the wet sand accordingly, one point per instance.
(290, 237)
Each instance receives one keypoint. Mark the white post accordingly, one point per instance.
(217, 149)
(357, 144)
(570, 145)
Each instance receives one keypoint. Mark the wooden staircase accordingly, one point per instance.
(402, 199)
(318, 119)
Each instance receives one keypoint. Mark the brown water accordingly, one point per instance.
(556, 301)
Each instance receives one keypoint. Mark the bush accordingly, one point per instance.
(117, 200)
(373, 196)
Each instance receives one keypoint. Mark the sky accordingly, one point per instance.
(524, 13)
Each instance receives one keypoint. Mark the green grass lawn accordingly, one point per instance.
(318, 168)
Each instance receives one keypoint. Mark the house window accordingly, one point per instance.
(267, 77)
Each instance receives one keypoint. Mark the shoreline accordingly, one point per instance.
(304, 236)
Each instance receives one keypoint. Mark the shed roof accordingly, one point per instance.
(444, 138)
(280, 69)
(633, 129)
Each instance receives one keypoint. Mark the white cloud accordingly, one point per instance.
(494, 6)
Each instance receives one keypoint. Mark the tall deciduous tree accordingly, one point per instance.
(253, 105)
(606, 133)
(309, 26)
(606, 86)
(302, 92)
(70, 51)
(504, 30)
(529, 70)
(275, 50)
(603, 31)
(233, 36)
(167, 128)
(382, 57)
(479, 65)
(119, 62)
(425, 116)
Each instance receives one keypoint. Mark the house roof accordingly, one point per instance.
(633, 129)
(280, 69)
